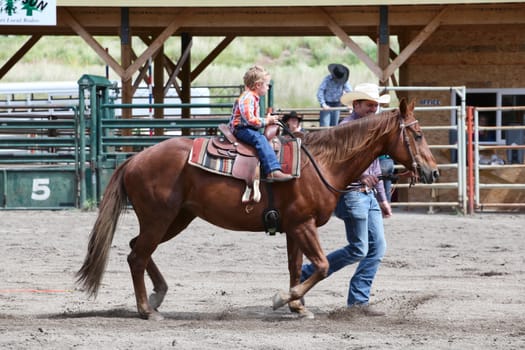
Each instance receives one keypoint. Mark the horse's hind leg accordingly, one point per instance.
(142, 248)
(160, 287)
(295, 259)
(138, 260)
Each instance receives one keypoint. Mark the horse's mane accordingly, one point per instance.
(340, 143)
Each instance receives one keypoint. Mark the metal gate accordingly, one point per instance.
(39, 156)
(503, 170)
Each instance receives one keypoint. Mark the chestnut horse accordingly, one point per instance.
(167, 194)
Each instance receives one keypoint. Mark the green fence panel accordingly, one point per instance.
(39, 188)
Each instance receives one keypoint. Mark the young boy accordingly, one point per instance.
(245, 122)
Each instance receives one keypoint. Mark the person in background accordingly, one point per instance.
(387, 170)
(330, 91)
(293, 122)
(245, 122)
(362, 209)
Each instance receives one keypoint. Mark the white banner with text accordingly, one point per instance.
(28, 12)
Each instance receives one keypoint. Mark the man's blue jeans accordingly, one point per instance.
(266, 154)
(366, 244)
(329, 118)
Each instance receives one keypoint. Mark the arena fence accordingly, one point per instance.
(39, 156)
(61, 155)
(502, 162)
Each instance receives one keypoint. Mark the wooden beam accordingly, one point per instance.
(176, 71)
(155, 45)
(383, 41)
(77, 27)
(19, 54)
(170, 68)
(423, 35)
(352, 45)
(278, 21)
(158, 91)
(143, 71)
(126, 58)
(211, 56)
(392, 53)
(167, 64)
(186, 42)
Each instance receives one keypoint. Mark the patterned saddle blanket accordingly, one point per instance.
(208, 155)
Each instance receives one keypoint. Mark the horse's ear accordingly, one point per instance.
(412, 105)
(403, 106)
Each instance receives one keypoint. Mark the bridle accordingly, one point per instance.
(415, 176)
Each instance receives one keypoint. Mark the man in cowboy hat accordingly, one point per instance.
(330, 91)
(370, 92)
(365, 92)
(362, 210)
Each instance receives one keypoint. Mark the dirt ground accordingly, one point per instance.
(447, 282)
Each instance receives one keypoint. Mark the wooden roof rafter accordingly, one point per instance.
(423, 35)
(343, 19)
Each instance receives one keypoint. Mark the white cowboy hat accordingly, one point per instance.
(365, 91)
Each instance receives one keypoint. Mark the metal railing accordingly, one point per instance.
(496, 164)
(84, 139)
(39, 137)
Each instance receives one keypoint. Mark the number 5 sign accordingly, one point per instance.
(40, 190)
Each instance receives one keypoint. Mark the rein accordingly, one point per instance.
(314, 163)
(406, 141)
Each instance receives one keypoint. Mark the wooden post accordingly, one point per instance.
(158, 88)
(383, 44)
(125, 52)
(185, 95)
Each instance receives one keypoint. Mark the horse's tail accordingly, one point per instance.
(114, 201)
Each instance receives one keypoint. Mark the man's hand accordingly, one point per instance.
(386, 209)
(369, 180)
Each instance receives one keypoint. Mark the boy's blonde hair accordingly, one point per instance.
(255, 74)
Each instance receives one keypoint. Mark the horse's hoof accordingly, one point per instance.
(280, 299)
(307, 314)
(155, 316)
(152, 316)
(155, 299)
(297, 307)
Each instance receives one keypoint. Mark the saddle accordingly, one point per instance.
(245, 159)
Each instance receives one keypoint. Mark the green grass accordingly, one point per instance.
(297, 64)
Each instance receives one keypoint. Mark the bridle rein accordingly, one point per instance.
(414, 177)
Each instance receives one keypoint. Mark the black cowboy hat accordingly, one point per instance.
(292, 114)
(339, 71)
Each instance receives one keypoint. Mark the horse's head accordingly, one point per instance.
(413, 151)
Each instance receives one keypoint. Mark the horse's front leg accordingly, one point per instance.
(303, 239)
(295, 261)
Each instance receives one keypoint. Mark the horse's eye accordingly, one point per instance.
(418, 137)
